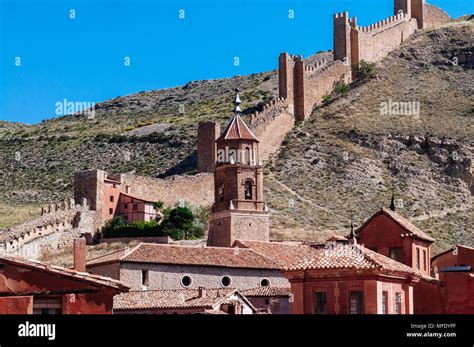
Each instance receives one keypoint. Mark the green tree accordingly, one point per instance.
(178, 223)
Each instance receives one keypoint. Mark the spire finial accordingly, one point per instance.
(353, 234)
(392, 202)
(237, 102)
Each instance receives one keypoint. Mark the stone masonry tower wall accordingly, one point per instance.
(305, 86)
(208, 132)
(285, 76)
(342, 36)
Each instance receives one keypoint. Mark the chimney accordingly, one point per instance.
(392, 203)
(353, 237)
(80, 254)
(202, 292)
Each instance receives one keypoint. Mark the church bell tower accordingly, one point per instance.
(239, 212)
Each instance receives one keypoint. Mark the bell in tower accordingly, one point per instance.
(239, 211)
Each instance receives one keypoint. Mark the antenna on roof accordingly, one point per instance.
(392, 202)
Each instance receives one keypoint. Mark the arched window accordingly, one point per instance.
(232, 156)
(248, 158)
(221, 192)
(248, 190)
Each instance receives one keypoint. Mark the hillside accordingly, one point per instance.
(144, 132)
(347, 159)
(343, 163)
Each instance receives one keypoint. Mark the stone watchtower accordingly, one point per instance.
(239, 211)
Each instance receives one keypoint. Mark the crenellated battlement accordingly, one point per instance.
(55, 219)
(383, 24)
(269, 112)
(310, 68)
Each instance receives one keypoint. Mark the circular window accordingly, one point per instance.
(226, 281)
(186, 281)
(264, 282)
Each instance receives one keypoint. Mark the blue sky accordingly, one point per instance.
(83, 59)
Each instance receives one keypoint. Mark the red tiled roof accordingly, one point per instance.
(282, 253)
(412, 230)
(237, 130)
(174, 299)
(326, 256)
(58, 270)
(267, 292)
(188, 255)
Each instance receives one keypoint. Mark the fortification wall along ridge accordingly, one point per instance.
(305, 85)
(57, 225)
(198, 189)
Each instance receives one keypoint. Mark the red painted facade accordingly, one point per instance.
(346, 292)
(385, 235)
(30, 287)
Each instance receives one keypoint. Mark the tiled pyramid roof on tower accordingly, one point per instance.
(237, 129)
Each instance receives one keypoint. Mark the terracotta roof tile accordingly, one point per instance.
(237, 130)
(267, 292)
(411, 229)
(58, 270)
(189, 255)
(326, 256)
(172, 299)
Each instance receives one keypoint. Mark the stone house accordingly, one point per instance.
(149, 266)
(183, 301)
(274, 300)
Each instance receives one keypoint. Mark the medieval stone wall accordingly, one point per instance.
(271, 126)
(322, 81)
(434, 16)
(197, 190)
(58, 226)
(375, 41)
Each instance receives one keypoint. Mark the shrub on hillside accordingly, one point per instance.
(364, 70)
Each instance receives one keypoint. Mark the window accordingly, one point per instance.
(248, 190)
(320, 303)
(226, 281)
(144, 277)
(248, 159)
(356, 303)
(135, 207)
(398, 303)
(111, 211)
(125, 206)
(384, 302)
(111, 198)
(221, 192)
(232, 155)
(424, 260)
(47, 305)
(186, 281)
(373, 249)
(265, 282)
(418, 258)
(397, 254)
